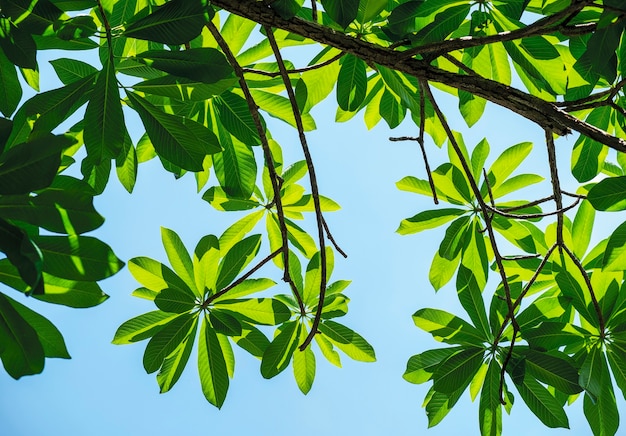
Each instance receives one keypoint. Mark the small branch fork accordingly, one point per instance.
(269, 161)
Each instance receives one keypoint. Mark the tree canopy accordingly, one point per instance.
(544, 303)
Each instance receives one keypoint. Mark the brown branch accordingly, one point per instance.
(297, 70)
(269, 161)
(545, 114)
(313, 181)
(556, 186)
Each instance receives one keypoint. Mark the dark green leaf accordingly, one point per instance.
(50, 337)
(21, 350)
(180, 141)
(458, 370)
(351, 83)
(10, 88)
(174, 364)
(32, 165)
(278, 353)
(212, 366)
(176, 22)
(235, 116)
(166, 340)
(78, 257)
(609, 194)
(490, 408)
(23, 253)
(236, 260)
(174, 301)
(103, 135)
(541, 402)
(420, 368)
(342, 12)
(204, 64)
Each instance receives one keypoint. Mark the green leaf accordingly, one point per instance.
(615, 252)
(287, 9)
(589, 155)
(212, 366)
(278, 353)
(369, 9)
(457, 370)
(266, 311)
(304, 365)
(103, 135)
(76, 257)
(235, 167)
(235, 116)
(23, 254)
(490, 408)
(166, 340)
(252, 340)
(553, 369)
(442, 270)
(66, 206)
(506, 163)
(237, 258)
(220, 200)
(470, 296)
(599, 404)
(454, 239)
(175, 363)
(428, 219)
(616, 355)
(10, 88)
(183, 142)
(421, 367)
(50, 337)
(447, 327)
(342, 12)
(179, 258)
(348, 341)
(204, 64)
(21, 351)
(582, 227)
(142, 327)
(351, 83)
(45, 111)
(541, 402)
(280, 107)
(608, 194)
(224, 323)
(18, 44)
(176, 22)
(32, 165)
(174, 301)
(156, 276)
(402, 18)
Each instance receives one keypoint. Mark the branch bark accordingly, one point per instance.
(544, 113)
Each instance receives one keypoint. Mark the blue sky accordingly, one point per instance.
(104, 389)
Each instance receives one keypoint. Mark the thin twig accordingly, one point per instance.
(241, 279)
(530, 216)
(269, 161)
(313, 181)
(330, 237)
(556, 186)
(297, 70)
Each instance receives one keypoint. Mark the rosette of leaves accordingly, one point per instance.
(201, 292)
(207, 291)
(60, 266)
(330, 334)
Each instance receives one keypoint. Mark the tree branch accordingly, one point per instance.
(545, 114)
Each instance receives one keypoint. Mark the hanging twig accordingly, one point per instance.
(313, 182)
(269, 161)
